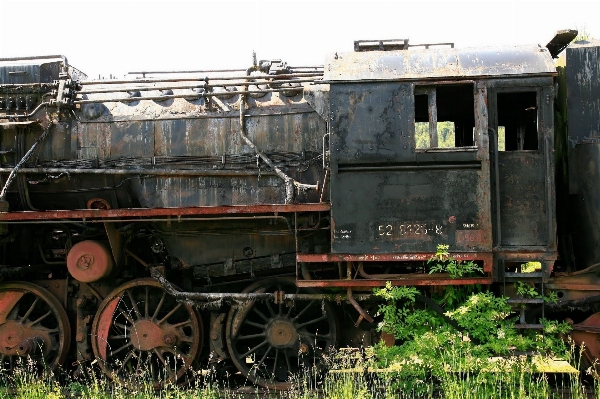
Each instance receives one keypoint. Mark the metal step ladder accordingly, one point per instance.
(522, 303)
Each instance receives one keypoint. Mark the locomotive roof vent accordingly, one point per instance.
(391, 44)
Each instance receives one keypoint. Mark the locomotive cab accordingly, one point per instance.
(433, 146)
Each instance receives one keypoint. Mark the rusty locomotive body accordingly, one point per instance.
(264, 196)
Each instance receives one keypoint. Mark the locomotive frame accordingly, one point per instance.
(127, 205)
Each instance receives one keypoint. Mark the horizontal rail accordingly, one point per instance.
(153, 212)
(422, 280)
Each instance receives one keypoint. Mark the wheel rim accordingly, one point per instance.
(268, 342)
(33, 324)
(140, 334)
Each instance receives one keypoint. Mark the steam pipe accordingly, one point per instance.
(190, 95)
(202, 85)
(26, 115)
(123, 81)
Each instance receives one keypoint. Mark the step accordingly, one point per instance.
(523, 276)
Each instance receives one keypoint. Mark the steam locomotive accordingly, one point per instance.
(148, 221)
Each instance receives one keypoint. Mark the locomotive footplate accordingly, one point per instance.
(356, 276)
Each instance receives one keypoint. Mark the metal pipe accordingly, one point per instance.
(213, 70)
(251, 296)
(202, 85)
(194, 96)
(282, 76)
(495, 162)
(141, 172)
(202, 71)
(26, 115)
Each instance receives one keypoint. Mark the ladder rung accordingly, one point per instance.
(537, 275)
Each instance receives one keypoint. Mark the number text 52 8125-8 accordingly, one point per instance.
(390, 230)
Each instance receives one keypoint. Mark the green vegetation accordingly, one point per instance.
(445, 135)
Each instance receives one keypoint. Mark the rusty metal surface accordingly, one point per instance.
(30, 70)
(523, 207)
(583, 99)
(89, 261)
(407, 200)
(583, 82)
(393, 257)
(579, 286)
(32, 323)
(586, 334)
(428, 64)
(99, 214)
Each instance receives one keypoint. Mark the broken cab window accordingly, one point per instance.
(517, 121)
(444, 116)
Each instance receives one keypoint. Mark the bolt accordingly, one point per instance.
(170, 339)
(302, 349)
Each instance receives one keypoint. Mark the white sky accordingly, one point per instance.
(114, 37)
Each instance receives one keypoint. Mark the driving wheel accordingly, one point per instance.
(268, 343)
(141, 334)
(33, 324)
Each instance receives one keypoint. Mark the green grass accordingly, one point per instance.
(455, 377)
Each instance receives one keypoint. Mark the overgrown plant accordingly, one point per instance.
(443, 262)
(432, 353)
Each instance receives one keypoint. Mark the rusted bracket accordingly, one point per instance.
(363, 313)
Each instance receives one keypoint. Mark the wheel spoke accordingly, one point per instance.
(171, 313)
(262, 359)
(121, 349)
(183, 323)
(160, 357)
(125, 313)
(122, 326)
(146, 303)
(275, 362)
(253, 324)
(35, 302)
(243, 337)
(159, 306)
(134, 304)
(313, 337)
(261, 314)
(127, 359)
(303, 310)
(122, 336)
(39, 319)
(287, 361)
(318, 319)
(271, 311)
(254, 349)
